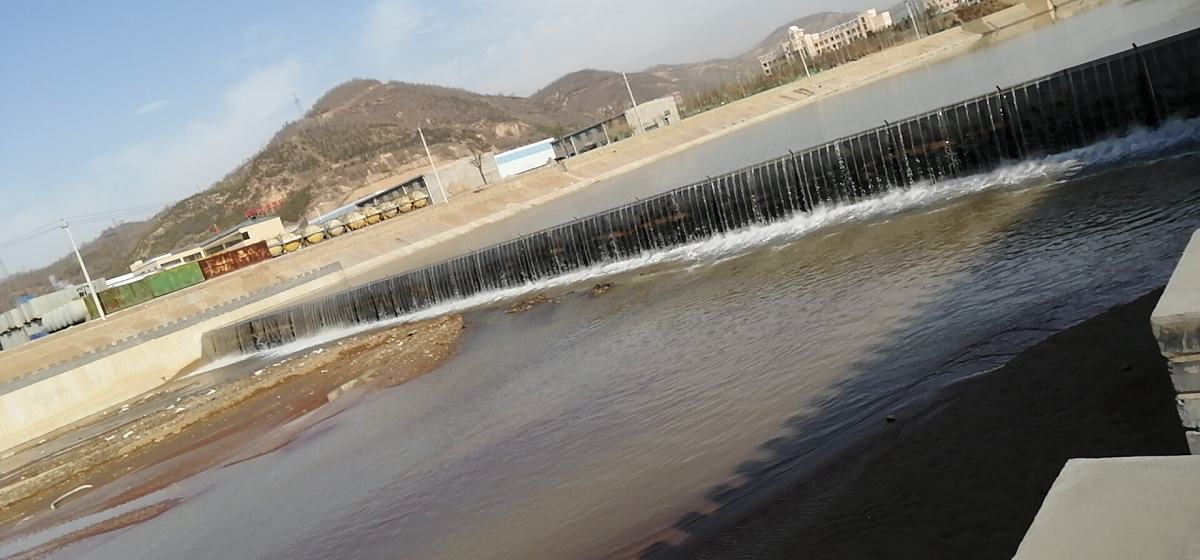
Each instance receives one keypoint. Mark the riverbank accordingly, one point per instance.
(966, 478)
(180, 429)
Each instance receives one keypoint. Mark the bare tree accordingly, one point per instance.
(477, 161)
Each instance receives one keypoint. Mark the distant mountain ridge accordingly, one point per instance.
(365, 130)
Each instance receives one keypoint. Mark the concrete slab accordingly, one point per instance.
(1100, 509)
(1176, 319)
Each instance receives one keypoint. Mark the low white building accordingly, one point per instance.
(525, 158)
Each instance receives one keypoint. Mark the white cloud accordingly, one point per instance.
(153, 106)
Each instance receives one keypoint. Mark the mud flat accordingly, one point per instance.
(179, 430)
(966, 478)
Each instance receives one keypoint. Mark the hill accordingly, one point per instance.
(365, 130)
(358, 132)
(601, 94)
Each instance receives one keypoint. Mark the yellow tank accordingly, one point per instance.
(355, 221)
(390, 209)
(420, 200)
(405, 203)
(275, 246)
(314, 235)
(335, 228)
(373, 215)
(291, 242)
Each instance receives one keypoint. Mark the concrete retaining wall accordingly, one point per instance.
(1176, 325)
(38, 408)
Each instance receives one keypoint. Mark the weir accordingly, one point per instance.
(1142, 86)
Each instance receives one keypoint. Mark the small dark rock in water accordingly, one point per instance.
(1126, 367)
(891, 419)
(601, 289)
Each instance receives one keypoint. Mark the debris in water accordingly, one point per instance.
(259, 372)
(525, 305)
(54, 504)
(891, 419)
(601, 289)
(210, 391)
(127, 434)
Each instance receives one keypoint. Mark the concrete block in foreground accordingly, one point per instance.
(1176, 319)
(1110, 509)
(1176, 325)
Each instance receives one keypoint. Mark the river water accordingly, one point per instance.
(582, 428)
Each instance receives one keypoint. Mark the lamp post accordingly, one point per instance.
(440, 193)
(636, 112)
(87, 277)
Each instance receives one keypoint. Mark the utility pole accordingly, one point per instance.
(3, 270)
(636, 112)
(86, 277)
(804, 61)
(299, 111)
(912, 19)
(439, 196)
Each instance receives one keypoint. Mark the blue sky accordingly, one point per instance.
(112, 105)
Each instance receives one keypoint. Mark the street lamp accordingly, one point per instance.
(87, 277)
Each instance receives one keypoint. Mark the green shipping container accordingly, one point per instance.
(174, 279)
(91, 307)
(124, 297)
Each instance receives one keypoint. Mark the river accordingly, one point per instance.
(583, 427)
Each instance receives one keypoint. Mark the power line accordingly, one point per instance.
(84, 219)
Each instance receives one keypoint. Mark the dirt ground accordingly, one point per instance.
(173, 433)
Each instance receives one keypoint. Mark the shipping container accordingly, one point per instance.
(230, 261)
(174, 279)
(124, 297)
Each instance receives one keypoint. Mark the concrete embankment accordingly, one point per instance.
(61, 398)
(135, 368)
(1176, 325)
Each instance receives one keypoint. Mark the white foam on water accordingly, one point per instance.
(1138, 143)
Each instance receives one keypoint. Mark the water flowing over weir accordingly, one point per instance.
(1140, 87)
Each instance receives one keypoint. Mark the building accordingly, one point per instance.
(647, 116)
(811, 45)
(525, 158)
(244, 234)
(654, 114)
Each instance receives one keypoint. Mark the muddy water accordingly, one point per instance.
(584, 427)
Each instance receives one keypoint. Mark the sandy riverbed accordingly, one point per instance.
(170, 434)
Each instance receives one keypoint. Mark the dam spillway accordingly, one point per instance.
(1140, 87)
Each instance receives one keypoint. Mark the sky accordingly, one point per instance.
(107, 106)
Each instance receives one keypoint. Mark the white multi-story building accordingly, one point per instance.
(811, 45)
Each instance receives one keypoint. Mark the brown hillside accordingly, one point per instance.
(601, 94)
(356, 133)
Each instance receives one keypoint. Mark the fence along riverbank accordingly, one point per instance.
(1076, 107)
